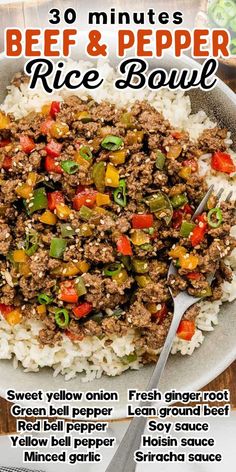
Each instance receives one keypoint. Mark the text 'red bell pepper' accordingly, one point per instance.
(27, 144)
(83, 309)
(124, 246)
(53, 148)
(54, 198)
(7, 163)
(199, 231)
(52, 165)
(68, 292)
(142, 221)
(85, 197)
(55, 108)
(186, 330)
(223, 162)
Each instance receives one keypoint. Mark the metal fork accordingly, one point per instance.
(123, 460)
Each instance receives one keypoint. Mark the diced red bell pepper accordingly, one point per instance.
(54, 198)
(52, 165)
(55, 108)
(177, 134)
(85, 197)
(194, 276)
(6, 309)
(83, 309)
(177, 219)
(27, 144)
(46, 126)
(191, 163)
(73, 336)
(4, 142)
(223, 162)
(160, 315)
(7, 163)
(199, 231)
(142, 221)
(53, 148)
(187, 209)
(68, 292)
(124, 246)
(186, 330)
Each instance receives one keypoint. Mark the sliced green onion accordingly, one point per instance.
(160, 160)
(186, 228)
(117, 313)
(178, 200)
(39, 201)
(218, 217)
(67, 231)
(57, 248)
(112, 143)
(70, 167)
(80, 286)
(113, 269)
(86, 153)
(128, 358)
(85, 213)
(44, 299)
(98, 175)
(119, 194)
(62, 318)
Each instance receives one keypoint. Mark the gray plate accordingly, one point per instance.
(182, 372)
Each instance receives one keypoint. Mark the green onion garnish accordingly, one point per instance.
(218, 217)
(119, 194)
(112, 269)
(62, 317)
(44, 299)
(86, 153)
(70, 167)
(112, 143)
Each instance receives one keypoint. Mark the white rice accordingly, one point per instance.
(92, 356)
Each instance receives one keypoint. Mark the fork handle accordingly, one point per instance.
(123, 460)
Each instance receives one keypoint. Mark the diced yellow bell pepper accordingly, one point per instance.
(32, 179)
(112, 176)
(142, 280)
(48, 218)
(85, 230)
(99, 211)
(102, 199)
(174, 151)
(24, 191)
(24, 269)
(83, 116)
(45, 110)
(185, 172)
(59, 130)
(19, 255)
(121, 277)
(188, 261)
(4, 120)
(118, 157)
(134, 137)
(177, 252)
(81, 161)
(14, 317)
(63, 211)
(138, 237)
(83, 266)
(152, 308)
(41, 309)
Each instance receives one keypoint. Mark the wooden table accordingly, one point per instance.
(228, 377)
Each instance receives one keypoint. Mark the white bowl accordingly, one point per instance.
(182, 372)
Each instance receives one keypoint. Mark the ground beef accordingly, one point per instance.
(212, 140)
(5, 238)
(99, 252)
(138, 315)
